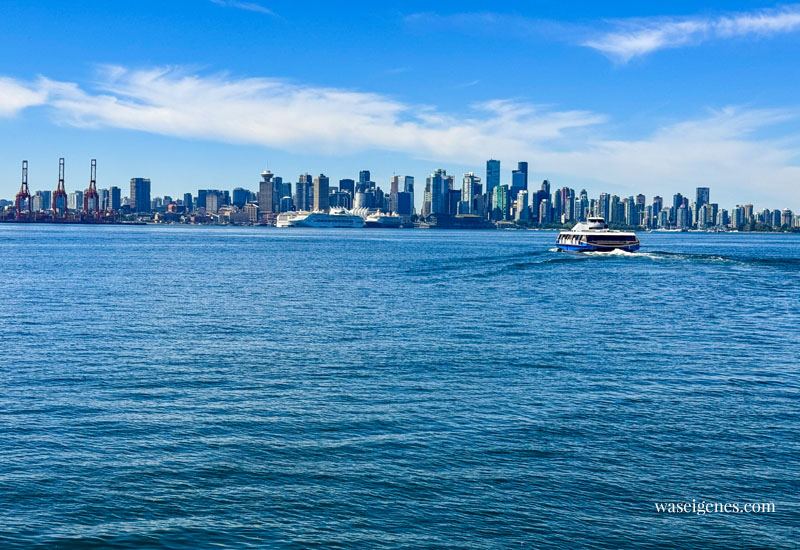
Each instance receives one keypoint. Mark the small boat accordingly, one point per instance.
(593, 235)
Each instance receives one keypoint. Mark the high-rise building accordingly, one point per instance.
(470, 191)
(75, 200)
(522, 210)
(140, 194)
(212, 202)
(703, 197)
(321, 192)
(304, 192)
(348, 186)
(364, 182)
(523, 167)
(500, 203)
(240, 196)
(518, 183)
(604, 207)
(187, 201)
(45, 198)
(266, 193)
(405, 206)
(437, 185)
(545, 211)
(492, 177)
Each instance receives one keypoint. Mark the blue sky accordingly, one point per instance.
(622, 97)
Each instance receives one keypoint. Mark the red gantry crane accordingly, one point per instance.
(60, 195)
(24, 196)
(91, 200)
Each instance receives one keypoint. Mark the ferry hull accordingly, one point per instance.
(584, 247)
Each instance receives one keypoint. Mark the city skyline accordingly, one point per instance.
(443, 202)
(625, 98)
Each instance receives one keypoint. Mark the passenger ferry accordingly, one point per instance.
(593, 235)
(337, 217)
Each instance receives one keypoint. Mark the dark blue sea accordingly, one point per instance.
(198, 387)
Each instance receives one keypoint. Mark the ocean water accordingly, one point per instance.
(198, 387)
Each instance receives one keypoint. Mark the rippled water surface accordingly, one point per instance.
(170, 387)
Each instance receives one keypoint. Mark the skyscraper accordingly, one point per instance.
(492, 177)
(518, 183)
(519, 179)
(304, 197)
(439, 191)
(321, 192)
(604, 207)
(347, 185)
(140, 194)
(703, 197)
(470, 189)
(408, 187)
(240, 197)
(266, 191)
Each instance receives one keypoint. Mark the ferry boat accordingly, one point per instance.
(593, 235)
(337, 217)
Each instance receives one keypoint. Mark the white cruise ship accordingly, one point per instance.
(337, 217)
(593, 235)
(381, 219)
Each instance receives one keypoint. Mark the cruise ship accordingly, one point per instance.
(593, 235)
(381, 219)
(335, 218)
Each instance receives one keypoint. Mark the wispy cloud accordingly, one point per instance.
(638, 37)
(15, 96)
(248, 6)
(726, 148)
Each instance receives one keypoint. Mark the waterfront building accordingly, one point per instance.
(140, 194)
(786, 217)
(251, 209)
(187, 202)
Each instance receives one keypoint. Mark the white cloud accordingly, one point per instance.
(725, 149)
(298, 118)
(248, 6)
(15, 96)
(638, 37)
